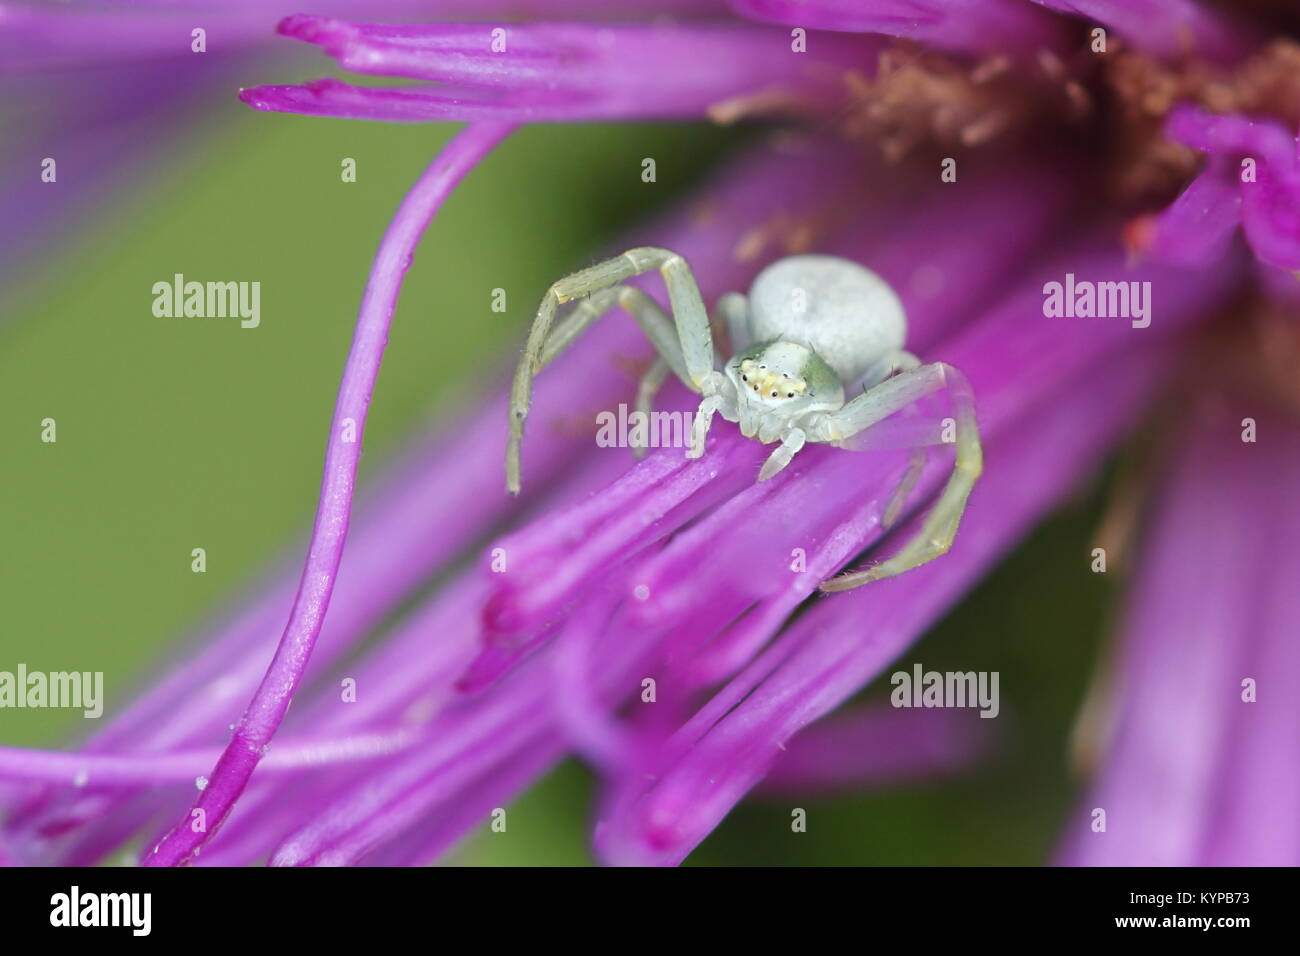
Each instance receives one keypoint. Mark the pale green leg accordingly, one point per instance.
(732, 309)
(652, 319)
(692, 358)
(710, 406)
(732, 313)
(940, 525)
(647, 389)
(793, 441)
(904, 362)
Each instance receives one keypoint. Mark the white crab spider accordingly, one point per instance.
(811, 326)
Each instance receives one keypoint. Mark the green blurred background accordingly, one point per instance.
(175, 434)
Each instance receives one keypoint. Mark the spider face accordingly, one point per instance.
(771, 382)
(779, 382)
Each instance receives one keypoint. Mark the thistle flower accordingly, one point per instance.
(680, 571)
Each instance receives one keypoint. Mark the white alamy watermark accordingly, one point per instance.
(946, 689)
(82, 690)
(75, 908)
(208, 300)
(1085, 299)
(638, 429)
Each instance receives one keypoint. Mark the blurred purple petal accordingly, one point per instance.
(1193, 774)
(1197, 228)
(876, 746)
(41, 36)
(1166, 28)
(1252, 177)
(560, 71)
(967, 26)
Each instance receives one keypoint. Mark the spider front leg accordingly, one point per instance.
(940, 525)
(719, 396)
(793, 441)
(685, 343)
(730, 312)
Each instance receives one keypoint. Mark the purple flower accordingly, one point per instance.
(687, 585)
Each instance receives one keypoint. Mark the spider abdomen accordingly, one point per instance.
(844, 312)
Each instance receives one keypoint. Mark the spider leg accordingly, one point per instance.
(940, 525)
(652, 319)
(710, 406)
(690, 355)
(915, 465)
(732, 309)
(651, 381)
(904, 361)
(732, 313)
(793, 441)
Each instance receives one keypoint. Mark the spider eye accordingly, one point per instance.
(789, 394)
(744, 378)
(774, 394)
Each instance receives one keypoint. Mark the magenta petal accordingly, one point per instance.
(1271, 217)
(331, 97)
(1193, 774)
(1257, 801)
(1197, 228)
(1010, 27)
(1167, 28)
(533, 72)
(1233, 136)
(143, 770)
(38, 36)
(1258, 159)
(878, 745)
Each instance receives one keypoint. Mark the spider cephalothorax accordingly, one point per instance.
(812, 330)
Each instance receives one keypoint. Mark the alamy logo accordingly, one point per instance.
(1086, 299)
(950, 689)
(80, 689)
(75, 908)
(638, 429)
(208, 300)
